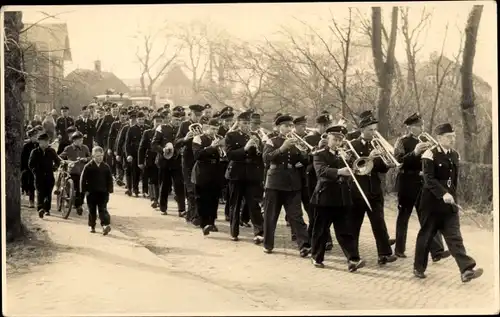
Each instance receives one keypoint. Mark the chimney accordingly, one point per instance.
(97, 66)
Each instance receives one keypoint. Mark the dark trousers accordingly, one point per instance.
(410, 187)
(311, 184)
(44, 189)
(245, 212)
(250, 191)
(291, 201)
(153, 181)
(79, 196)
(97, 202)
(187, 168)
(305, 198)
(111, 161)
(28, 184)
(169, 176)
(339, 217)
(133, 176)
(376, 217)
(207, 202)
(448, 222)
(120, 169)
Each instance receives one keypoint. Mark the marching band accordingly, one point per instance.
(225, 157)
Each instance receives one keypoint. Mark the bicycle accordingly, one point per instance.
(66, 190)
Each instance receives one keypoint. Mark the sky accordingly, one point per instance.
(106, 32)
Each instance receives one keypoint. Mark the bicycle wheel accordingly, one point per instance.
(68, 197)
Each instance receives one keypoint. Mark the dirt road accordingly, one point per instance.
(159, 264)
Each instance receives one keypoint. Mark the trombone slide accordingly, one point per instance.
(342, 156)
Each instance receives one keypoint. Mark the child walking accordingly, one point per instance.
(96, 182)
(27, 178)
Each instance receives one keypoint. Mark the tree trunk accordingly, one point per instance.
(467, 103)
(14, 117)
(488, 149)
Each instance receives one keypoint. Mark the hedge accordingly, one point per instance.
(475, 185)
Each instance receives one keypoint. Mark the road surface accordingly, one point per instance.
(154, 264)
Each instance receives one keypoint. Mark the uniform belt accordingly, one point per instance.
(280, 165)
(411, 172)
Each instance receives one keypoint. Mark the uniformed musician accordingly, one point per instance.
(117, 167)
(372, 187)
(332, 201)
(169, 164)
(103, 128)
(244, 173)
(206, 176)
(62, 124)
(132, 140)
(86, 126)
(183, 140)
(439, 209)
(408, 151)
(283, 186)
(120, 148)
(226, 117)
(146, 161)
(208, 111)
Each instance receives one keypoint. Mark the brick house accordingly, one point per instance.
(46, 47)
(175, 86)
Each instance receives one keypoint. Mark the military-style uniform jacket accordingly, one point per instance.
(222, 132)
(146, 155)
(87, 128)
(113, 133)
(371, 183)
(243, 165)
(332, 190)
(440, 177)
(120, 142)
(133, 139)
(43, 163)
(313, 139)
(165, 133)
(62, 124)
(284, 167)
(103, 129)
(353, 135)
(206, 169)
(25, 154)
(403, 152)
(73, 153)
(185, 146)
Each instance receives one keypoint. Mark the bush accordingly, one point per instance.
(475, 185)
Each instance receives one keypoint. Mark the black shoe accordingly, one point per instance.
(287, 224)
(328, 246)
(440, 256)
(136, 194)
(214, 228)
(163, 213)
(258, 239)
(41, 213)
(47, 213)
(154, 204)
(268, 251)
(128, 193)
(182, 214)
(234, 238)
(31, 205)
(92, 229)
(400, 254)
(304, 252)
(56, 192)
(206, 230)
(196, 222)
(387, 259)
(419, 274)
(317, 264)
(294, 237)
(227, 218)
(469, 275)
(392, 241)
(144, 195)
(79, 211)
(106, 230)
(353, 266)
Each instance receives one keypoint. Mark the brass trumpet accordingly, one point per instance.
(222, 152)
(196, 129)
(301, 144)
(385, 149)
(262, 133)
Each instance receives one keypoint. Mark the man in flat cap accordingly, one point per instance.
(332, 201)
(116, 166)
(27, 178)
(132, 140)
(184, 139)
(408, 151)
(62, 124)
(120, 148)
(244, 174)
(283, 186)
(43, 161)
(86, 126)
(372, 188)
(169, 163)
(439, 208)
(146, 161)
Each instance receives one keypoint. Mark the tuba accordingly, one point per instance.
(168, 151)
(196, 129)
(301, 144)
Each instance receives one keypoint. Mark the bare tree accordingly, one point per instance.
(152, 68)
(411, 40)
(384, 68)
(467, 103)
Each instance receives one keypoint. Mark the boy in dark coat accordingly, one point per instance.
(43, 162)
(27, 178)
(96, 182)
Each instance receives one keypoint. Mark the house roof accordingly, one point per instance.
(175, 77)
(54, 35)
(96, 82)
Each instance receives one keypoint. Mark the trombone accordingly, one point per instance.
(263, 134)
(425, 137)
(196, 129)
(301, 144)
(362, 165)
(385, 149)
(343, 154)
